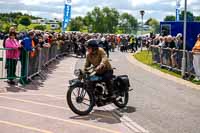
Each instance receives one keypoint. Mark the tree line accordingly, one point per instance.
(101, 20)
(105, 20)
(109, 20)
(190, 17)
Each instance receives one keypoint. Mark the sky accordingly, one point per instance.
(54, 8)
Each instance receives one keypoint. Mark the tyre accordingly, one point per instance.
(122, 100)
(78, 98)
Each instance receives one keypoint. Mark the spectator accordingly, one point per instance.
(42, 43)
(132, 42)
(196, 60)
(176, 58)
(136, 43)
(105, 46)
(170, 42)
(179, 41)
(28, 46)
(161, 42)
(118, 39)
(12, 56)
(12, 29)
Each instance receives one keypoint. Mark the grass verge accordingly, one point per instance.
(146, 58)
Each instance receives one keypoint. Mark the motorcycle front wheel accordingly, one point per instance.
(80, 100)
(122, 100)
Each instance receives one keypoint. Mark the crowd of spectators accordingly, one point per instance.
(24, 42)
(19, 44)
(174, 46)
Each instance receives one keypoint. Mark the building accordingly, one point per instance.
(54, 24)
(40, 21)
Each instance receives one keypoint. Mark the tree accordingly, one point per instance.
(170, 18)
(25, 20)
(96, 17)
(102, 20)
(6, 27)
(128, 23)
(40, 27)
(155, 25)
(197, 18)
(1, 25)
(110, 20)
(76, 24)
(147, 22)
(190, 16)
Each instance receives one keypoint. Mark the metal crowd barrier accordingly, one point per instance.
(11, 68)
(30, 63)
(156, 54)
(172, 59)
(43, 57)
(189, 63)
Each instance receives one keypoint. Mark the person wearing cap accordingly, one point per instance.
(97, 57)
(196, 58)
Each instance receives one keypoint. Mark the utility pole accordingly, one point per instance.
(142, 16)
(184, 40)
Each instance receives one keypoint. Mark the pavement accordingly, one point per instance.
(132, 60)
(41, 107)
(160, 103)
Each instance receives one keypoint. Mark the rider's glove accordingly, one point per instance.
(99, 67)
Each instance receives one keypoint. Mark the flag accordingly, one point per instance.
(67, 14)
(178, 6)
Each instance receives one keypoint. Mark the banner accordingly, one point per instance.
(178, 6)
(67, 14)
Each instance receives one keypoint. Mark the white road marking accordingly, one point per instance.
(127, 121)
(23, 126)
(53, 106)
(59, 119)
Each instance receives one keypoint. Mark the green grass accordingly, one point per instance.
(195, 82)
(146, 58)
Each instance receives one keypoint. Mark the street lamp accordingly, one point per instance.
(184, 40)
(142, 16)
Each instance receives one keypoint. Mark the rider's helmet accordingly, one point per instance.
(92, 43)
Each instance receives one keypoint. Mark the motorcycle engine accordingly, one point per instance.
(100, 88)
(100, 91)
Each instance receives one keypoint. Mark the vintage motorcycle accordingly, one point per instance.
(89, 90)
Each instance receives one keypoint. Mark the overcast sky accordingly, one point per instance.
(54, 8)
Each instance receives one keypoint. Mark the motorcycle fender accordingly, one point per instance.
(75, 83)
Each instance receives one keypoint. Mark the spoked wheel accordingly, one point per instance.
(80, 100)
(122, 100)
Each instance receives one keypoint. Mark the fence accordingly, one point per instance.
(30, 63)
(172, 59)
(10, 68)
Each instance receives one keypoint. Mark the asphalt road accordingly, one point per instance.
(161, 106)
(157, 104)
(41, 107)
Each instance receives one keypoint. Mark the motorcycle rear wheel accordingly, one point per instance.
(124, 100)
(79, 99)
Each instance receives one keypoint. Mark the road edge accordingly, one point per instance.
(132, 60)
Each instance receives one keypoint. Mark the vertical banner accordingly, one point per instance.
(178, 6)
(67, 14)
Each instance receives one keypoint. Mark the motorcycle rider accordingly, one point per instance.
(97, 57)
